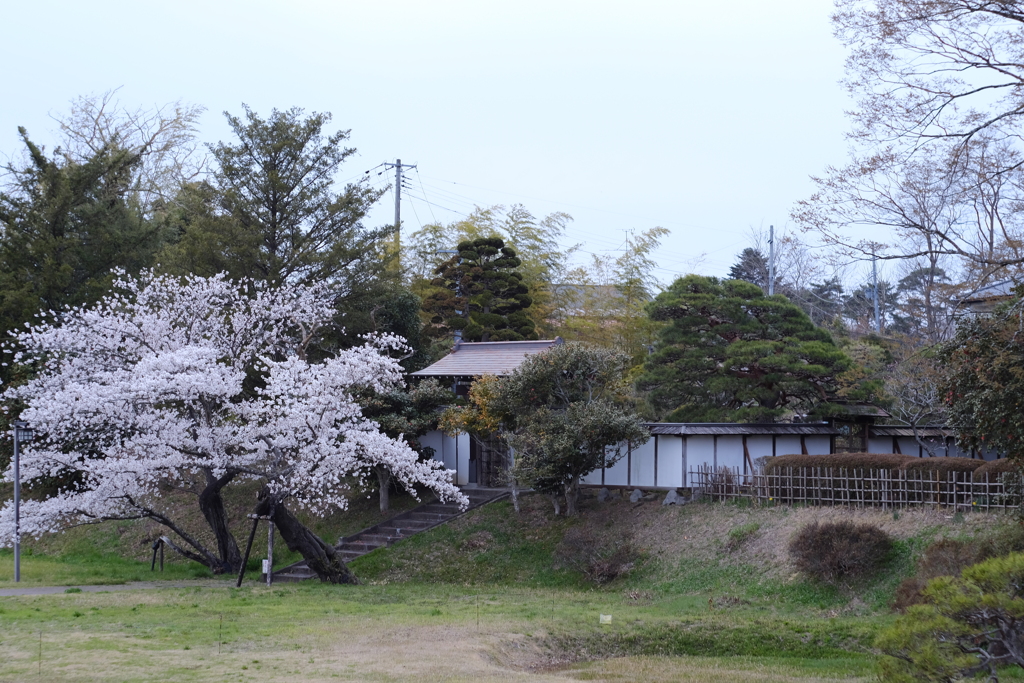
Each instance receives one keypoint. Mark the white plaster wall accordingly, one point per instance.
(461, 447)
(593, 478)
(700, 451)
(880, 444)
(433, 440)
(908, 445)
(670, 461)
(787, 445)
(642, 465)
(618, 474)
(730, 452)
(759, 446)
(818, 445)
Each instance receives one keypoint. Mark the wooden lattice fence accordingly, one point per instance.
(859, 487)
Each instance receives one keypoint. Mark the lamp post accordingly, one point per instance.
(22, 432)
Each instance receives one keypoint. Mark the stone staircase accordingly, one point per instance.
(401, 526)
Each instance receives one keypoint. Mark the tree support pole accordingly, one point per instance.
(248, 548)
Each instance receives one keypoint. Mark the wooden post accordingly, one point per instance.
(270, 553)
(248, 549)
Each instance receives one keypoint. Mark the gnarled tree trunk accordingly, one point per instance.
(322, 558)
(211, 503)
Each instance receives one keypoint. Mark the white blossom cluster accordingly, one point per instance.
(166, 378)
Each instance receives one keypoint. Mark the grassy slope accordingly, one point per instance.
(115, 552)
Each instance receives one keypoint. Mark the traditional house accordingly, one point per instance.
(476, 460)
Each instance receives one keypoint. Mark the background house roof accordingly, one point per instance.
(475, 359)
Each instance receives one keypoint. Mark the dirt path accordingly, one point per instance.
(131, 586)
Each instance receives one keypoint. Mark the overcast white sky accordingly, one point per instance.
(705, 118)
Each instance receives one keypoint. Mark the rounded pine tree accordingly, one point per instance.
(481, 292)
(731, 354)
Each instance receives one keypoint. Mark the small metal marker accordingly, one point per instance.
(606, 618)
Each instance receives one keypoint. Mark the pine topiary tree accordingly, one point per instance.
(731, 354)
(480, 292)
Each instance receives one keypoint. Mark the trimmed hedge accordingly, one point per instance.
(943, 465)
(872, 461)
(847, 461)
(995, 468)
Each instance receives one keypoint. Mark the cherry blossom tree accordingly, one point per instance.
(193, 384)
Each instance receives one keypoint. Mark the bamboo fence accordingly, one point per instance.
(856, 487)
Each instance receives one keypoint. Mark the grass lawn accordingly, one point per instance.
(412, 632)
(711, 597)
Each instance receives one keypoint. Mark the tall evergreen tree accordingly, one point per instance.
(274, 213)
(480, 292)
(277, 182)
(64, 225)
(751, 266)
(728, 353)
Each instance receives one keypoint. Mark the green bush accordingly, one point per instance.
(836, 551)
(950, 556)
(967, 625)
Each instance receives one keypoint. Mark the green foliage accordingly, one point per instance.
(277, 182)
(480, 292)
(731, 354)
(983, 383)
(273, 212)
(967, 625)
(605, 302)
(565, 415)
(535, 241)
(63, 226)
(208, 239)
(555, 449)
(410, 413)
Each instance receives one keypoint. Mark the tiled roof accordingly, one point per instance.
(732, 428)
(897, 430)
(475, 359)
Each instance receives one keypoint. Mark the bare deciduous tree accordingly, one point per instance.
(163, 138)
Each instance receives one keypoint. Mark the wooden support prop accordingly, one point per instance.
(746, 455)
(248, 549)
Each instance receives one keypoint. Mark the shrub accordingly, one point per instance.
(847, 461)
(965, 625)
(599, 557)
(839, 550)
(950, 556)
(943, 465)
(994, 468)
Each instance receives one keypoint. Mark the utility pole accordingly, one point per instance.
(771, 259)
(398, 166)
(874, 279)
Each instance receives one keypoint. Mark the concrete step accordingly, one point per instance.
(409, 523)
(399, 527)
(360, 546)
(398, 532)
(381, 538)
(439, 509)
(428, 517)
